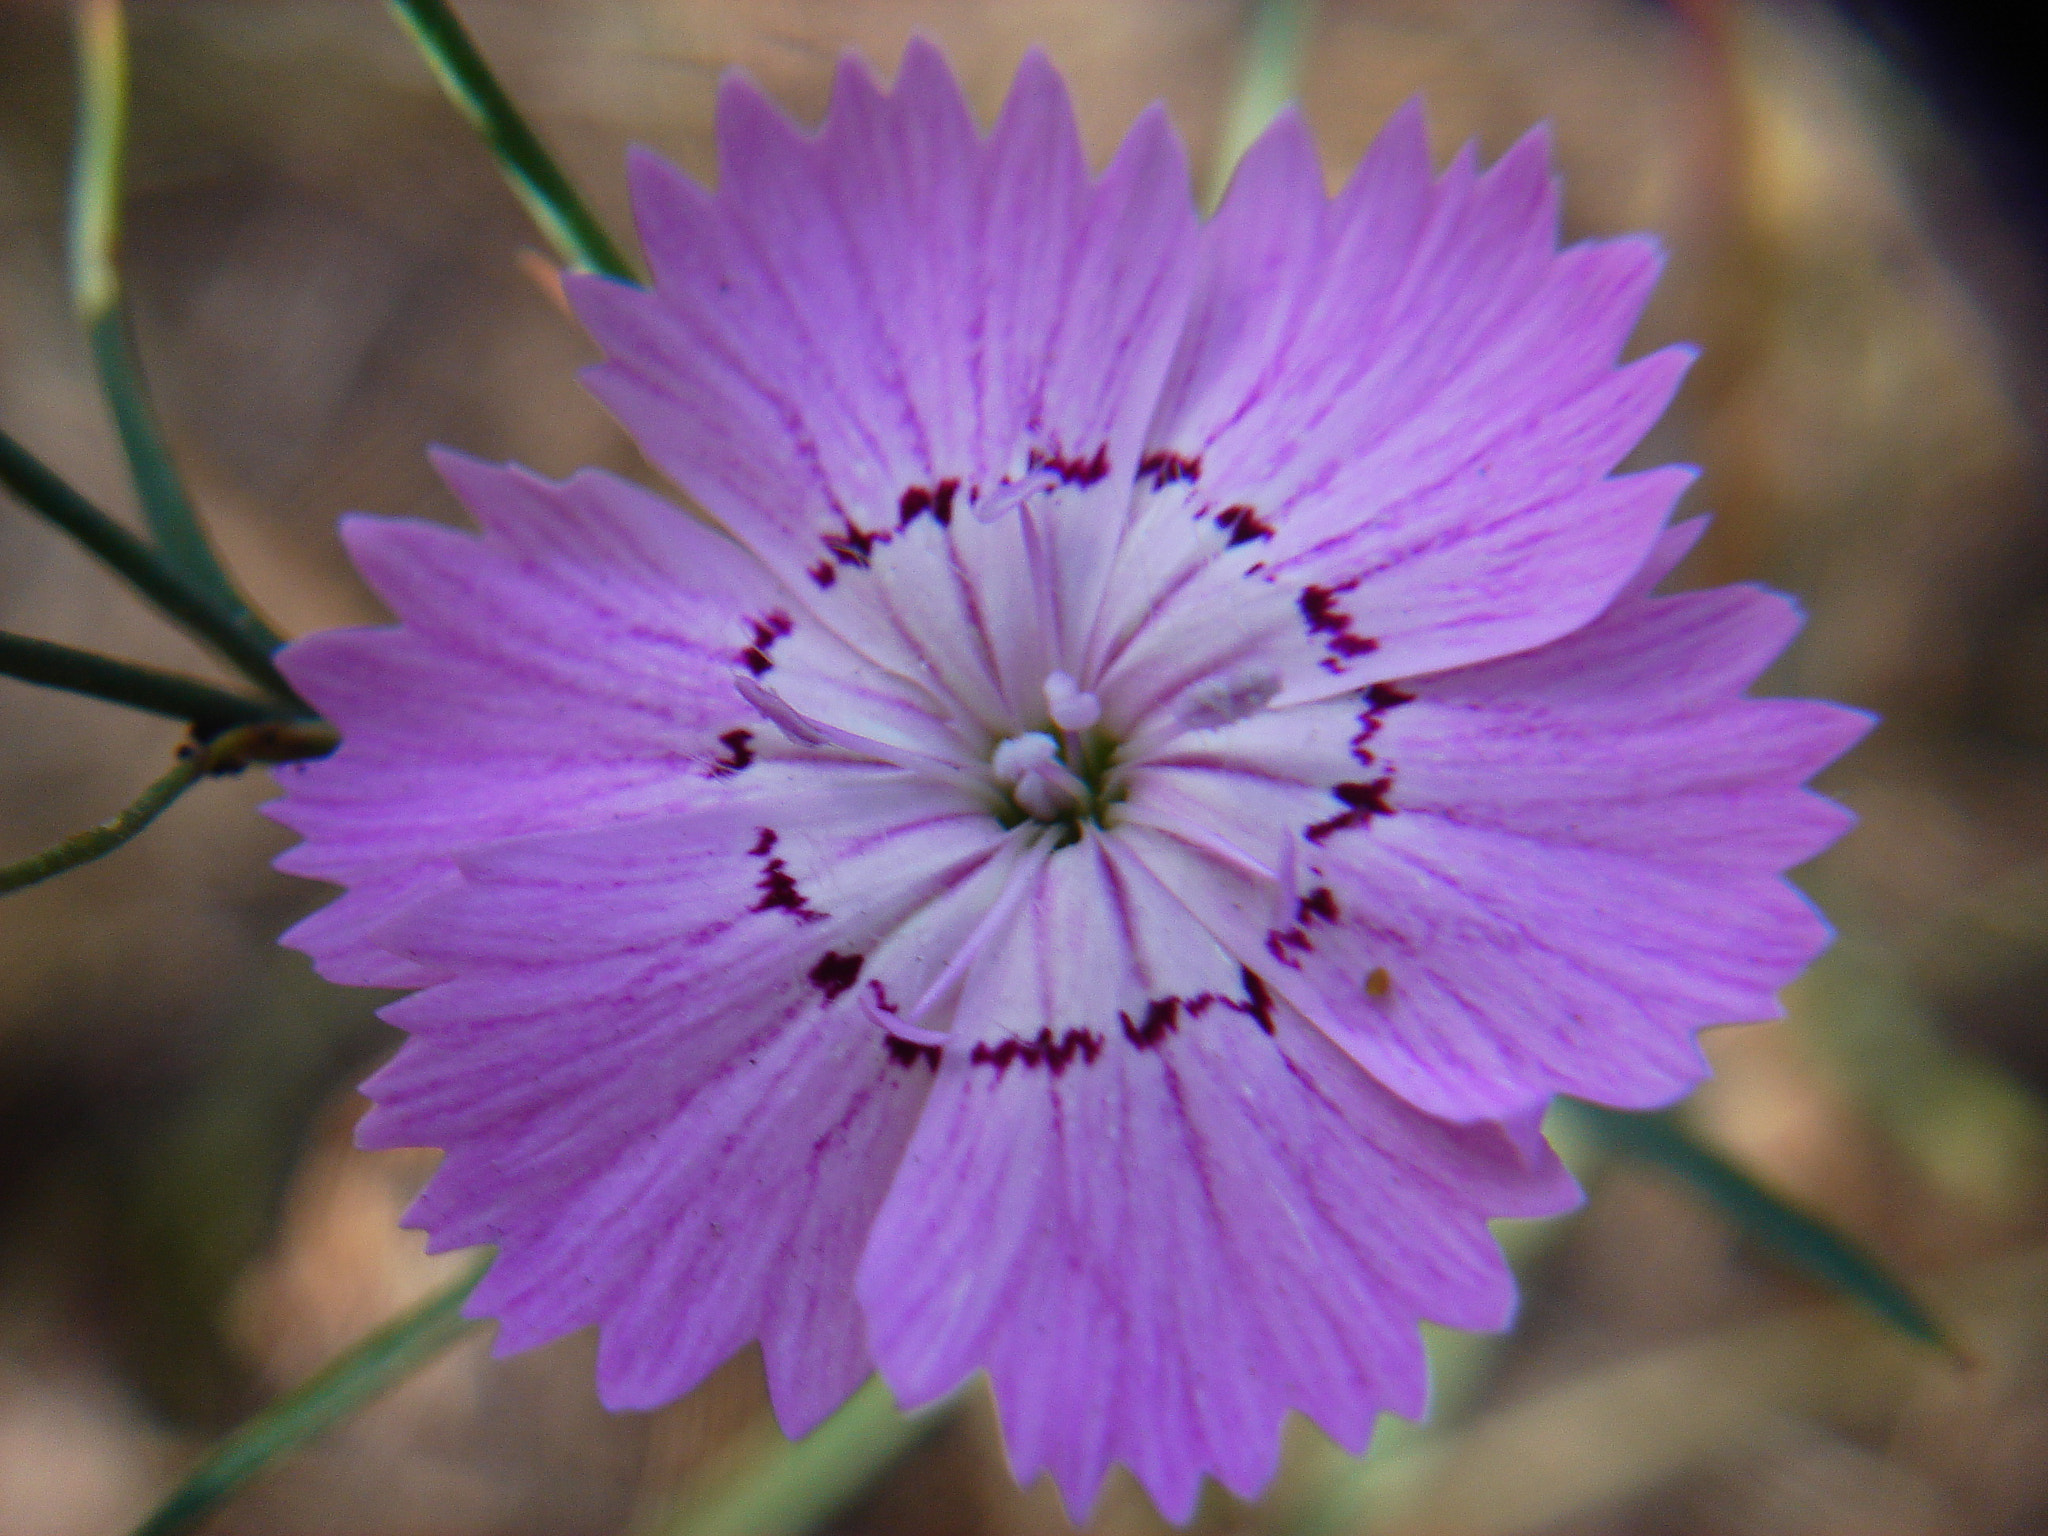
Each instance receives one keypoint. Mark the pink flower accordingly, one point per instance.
(1094, 880)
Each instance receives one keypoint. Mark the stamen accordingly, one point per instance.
(1008, 496)
(807, 732)
(1071, 709)
(1229, 697)
(1039, 782)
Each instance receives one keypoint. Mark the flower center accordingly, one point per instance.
(1062, 779)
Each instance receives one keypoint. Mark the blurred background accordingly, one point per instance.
(329, 276)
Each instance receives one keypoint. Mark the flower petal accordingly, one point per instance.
(571, 667)
(1543, 875)
(649, 1099)
(860, 334)
(1419, 411)
(1162, 1214)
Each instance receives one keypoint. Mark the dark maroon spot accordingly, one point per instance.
(855, 546)
(777, 885)
(1320, 612)
(1054, 1053)
(767, 631)
(1379, 698)
(1073, 469)
(1317, 906)
(1280, 941)
(882, 997)
(908, 1053)
(1362, 802)
(824, 573)
(936, 499)
(739, 752)
(1162, 1018)
(1244, 525)
(1166, 466)
(834, 973)
(1258, 999)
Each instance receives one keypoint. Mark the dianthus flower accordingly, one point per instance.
(1093, 874)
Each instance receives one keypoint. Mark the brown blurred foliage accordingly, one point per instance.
(329, 276)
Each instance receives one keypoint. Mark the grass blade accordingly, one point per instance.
(41, 490)
(346, 1383)
(801, 1486)
(1268, 77)
(1799, 1237)
(551, 201)
(96, 190)
(50, 665)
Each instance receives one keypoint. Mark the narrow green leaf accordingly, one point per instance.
(346, 1383)
(96, 191)
(551, 201)
(41, 490)
(1801, 1238)
(50, 665)
(801, 1486)
(1268, 77)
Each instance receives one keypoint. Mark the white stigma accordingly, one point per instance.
(1043, 787)
(1071, 709)
(1229, 698)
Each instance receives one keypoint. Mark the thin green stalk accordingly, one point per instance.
(96, 190)
(97, 842)
(50, 665)
(1804, 1239)
(267, 741)
(1268, 77)
(551, 201)
(143, 568)
(800, 1486)
(346, 1383)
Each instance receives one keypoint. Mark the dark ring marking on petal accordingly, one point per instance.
(1244, 525)
(1283, 944)
(767, 630)
(1161, 1018)
(1379, 698)
(1258, 1000)
(739, 752)
(1362, 802)
(835, 973)
(1072, 468)
(1320, 612)
(777, 885)
(1054, 1053)
(935, 499)
(855, 546)
(908, 1053)
(1165, 467)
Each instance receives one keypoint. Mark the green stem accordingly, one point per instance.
(96, 186)
(346, 1383)
(143, 568)
(1268, 77)
(1805, 1240)
(50, 665)
(802, 1486)
(264, 741)
(566, 221)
